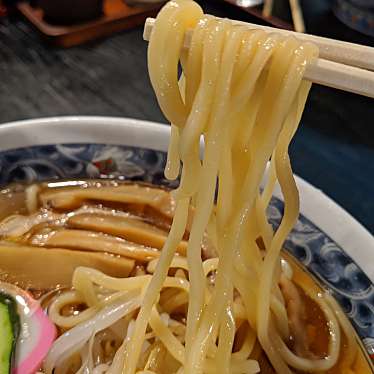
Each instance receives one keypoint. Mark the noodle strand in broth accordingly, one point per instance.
(243, 93)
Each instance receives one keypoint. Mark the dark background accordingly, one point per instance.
(333, 149)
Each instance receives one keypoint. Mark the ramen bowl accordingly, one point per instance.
(326, 241)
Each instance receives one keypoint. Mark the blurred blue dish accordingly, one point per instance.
(357, 14)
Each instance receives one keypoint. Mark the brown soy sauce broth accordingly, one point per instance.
(316, 324)
(12, 201)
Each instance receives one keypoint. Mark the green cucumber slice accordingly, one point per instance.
(9, 331)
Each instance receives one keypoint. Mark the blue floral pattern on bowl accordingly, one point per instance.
(72, 161)
(311, 246)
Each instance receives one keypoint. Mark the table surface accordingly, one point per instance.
(333, 149)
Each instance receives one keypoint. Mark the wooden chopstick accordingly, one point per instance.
(297, 16)
(342, 77)
(327, 71)
(268, 8)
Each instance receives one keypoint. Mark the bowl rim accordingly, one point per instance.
(327, 215)
(83, 129)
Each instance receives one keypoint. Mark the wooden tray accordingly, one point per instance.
(117, 16)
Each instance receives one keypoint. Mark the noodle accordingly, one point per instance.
(241, 94)
(205, 113)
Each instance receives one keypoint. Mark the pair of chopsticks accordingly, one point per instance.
(341, 65)
(296, 12)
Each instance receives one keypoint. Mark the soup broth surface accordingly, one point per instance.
(49, 229)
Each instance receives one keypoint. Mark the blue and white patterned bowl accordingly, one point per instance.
(326, 239)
